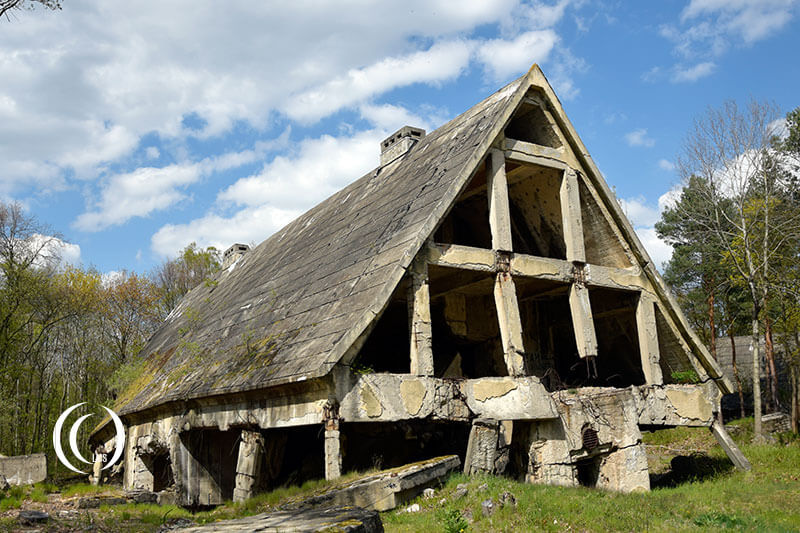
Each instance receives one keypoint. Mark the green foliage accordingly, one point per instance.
(454, 522)
(685, 377)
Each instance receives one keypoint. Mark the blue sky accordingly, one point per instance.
(135, 128)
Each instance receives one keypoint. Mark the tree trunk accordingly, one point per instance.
(756, 374)
(736, 372)
(712, 327)
(795, 401)
(769, 352)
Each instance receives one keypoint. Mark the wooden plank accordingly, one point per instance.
(571, 217)
(419, 314)
(497, 188)
(581, 310)
(731, 450)
(648, 339)
(534, 154)
(505, 298)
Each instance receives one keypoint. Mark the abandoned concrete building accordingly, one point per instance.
(479, 293)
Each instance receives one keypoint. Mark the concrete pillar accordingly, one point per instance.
(581, 310)
(497, 188)
(482, 447)
(248, 466)
(333, 454)
(508, 317)
(549, 461)
(419, 316)
(97, 467)
(648, 339)
(625, 470)
(333, 442)
(571, 217)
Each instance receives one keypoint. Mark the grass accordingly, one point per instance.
(715, 497)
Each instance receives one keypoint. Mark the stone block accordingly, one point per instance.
(24, 469)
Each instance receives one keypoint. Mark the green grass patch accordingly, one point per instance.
(87, 489)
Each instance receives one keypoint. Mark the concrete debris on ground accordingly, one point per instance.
(344, 519)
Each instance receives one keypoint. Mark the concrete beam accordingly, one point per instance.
(419, 316)
(731, 450)
(571, 217)
(581, 310)
(497, 188)
(648, 339)
(458, 256)
(505, 299)
(534, 154)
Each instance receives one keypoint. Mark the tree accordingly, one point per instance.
(6, 6)
(178, 276)
(744, 198)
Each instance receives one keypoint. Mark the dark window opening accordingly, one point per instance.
(530, 124)
(548, 334)
(535, 207)
(466, 333)
(467, 223)
(588, 471)
(376, 446)
(619, 363)
(162, 472)
(293, 456)
(388, 346)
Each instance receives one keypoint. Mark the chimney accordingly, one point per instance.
(233, 253)
(399, 143)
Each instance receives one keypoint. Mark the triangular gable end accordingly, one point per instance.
(458, 268)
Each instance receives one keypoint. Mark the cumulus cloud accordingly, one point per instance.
(643, 217)
(707, 29)
(639, 138)
(693, 73)
(503, 57)
(54, 251)
(442, 61)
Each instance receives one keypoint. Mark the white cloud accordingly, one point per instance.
(659, 251)
(644, 217)
(694, 73)
(664, 164)
(639, 138)
(53, 250)
(750, 20)
(286, 187)
(152, 152)
(442, 61)
(638, 212)
(502, 58)
(391, 117)
(137, 194)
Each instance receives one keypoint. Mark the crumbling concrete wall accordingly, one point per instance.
(24, 469)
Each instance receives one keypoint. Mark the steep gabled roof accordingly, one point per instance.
(292, 307)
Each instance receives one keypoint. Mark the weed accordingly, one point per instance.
(454, 522)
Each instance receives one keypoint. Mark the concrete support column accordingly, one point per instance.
(571, 217)
(625, 470)
(482, 447)
(97, 467)
(549, 461)
(648, 339)
(497, 188)
(248, 465)
(419, 317)
(508, 317)
(333, 442)
(581, 310)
